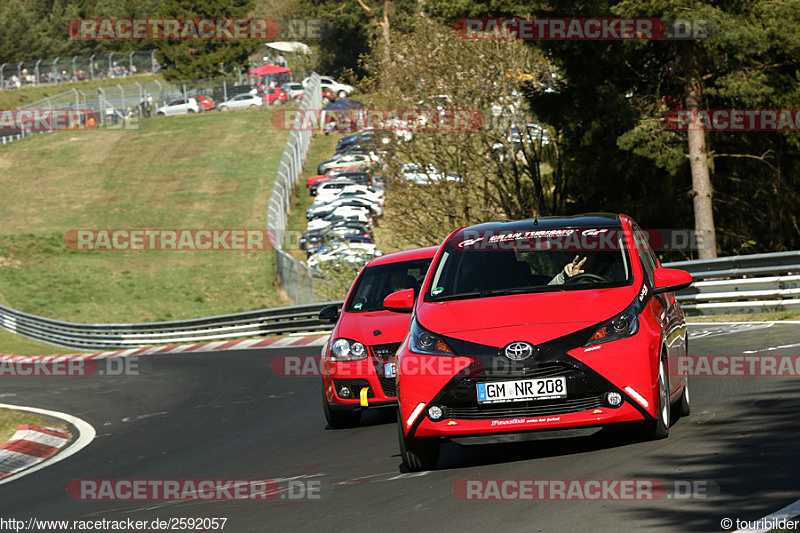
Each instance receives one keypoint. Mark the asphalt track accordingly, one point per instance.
(225, 415)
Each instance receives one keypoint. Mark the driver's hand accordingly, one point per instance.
(574, 268)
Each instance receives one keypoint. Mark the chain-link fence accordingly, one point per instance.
(77, 68)
(295, 277)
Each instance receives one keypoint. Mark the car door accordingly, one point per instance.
(666, 308)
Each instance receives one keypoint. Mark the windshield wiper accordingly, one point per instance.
(522, 290)
(458, 296)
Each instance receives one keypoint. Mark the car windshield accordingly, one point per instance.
(517, 268)
(378, 282)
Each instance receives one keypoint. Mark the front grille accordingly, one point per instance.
(386, 352)
(502, 367)
(355, 386)
(382, 354)
(530, 408)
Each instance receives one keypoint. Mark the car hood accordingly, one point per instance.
(361, 327)
(537, 317)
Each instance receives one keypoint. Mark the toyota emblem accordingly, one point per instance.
(518, 351)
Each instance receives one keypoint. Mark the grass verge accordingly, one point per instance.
(13, 344)
(748, 317)
(14, 98)
(10, 419)
(206, 171)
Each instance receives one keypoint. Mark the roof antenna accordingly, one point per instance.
(538, 207)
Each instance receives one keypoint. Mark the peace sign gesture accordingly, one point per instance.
(574, 268)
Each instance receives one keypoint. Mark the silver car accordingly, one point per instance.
(241, 101)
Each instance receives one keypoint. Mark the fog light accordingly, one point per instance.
(435, 412)
(344, 392)
(614, 399)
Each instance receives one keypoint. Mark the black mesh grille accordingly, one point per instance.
(382, 354)
(386, 352)
(532, 408)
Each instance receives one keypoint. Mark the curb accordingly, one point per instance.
(250, 344)
(29, 446)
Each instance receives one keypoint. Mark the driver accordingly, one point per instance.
(570, 269)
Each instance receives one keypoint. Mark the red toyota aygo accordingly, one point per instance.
(358, 361)
(535, 326)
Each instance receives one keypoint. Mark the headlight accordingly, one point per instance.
(423, 341)
(624, 325)
(347, 350)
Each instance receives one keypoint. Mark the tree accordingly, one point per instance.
(196, 59)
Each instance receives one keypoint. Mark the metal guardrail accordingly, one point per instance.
(284, 320)
(727, 294)
(742, 284)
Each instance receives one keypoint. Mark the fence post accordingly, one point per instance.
(110, 65)
(224, 90)
(74, 58)
(55, 74)
(36, 70)
(2, 77)
(160, 91)
(91, 67)
(152, 61)
(130, 63)
(77, 99)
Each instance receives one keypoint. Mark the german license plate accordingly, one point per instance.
(523, 389)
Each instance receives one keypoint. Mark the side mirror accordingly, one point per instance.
(670, 280)
(329, 314)
(400, 302)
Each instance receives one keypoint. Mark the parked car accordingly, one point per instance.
(516, 330)
(359, 359)
(241, 101)
(340, 90)
(356, 160)
(206, 102)
(344, 200)
(315, 238)
(179, 106)
(293, 90)
(272, 96)
(360, 216)
(327, 194)
(346, 255)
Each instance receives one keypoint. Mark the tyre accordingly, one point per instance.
(191, 111)
(659, 428)
(684, 407)
(161, 114)
(339, 418)
(253, 106)
(224, 108)
(342, 94)
(418, 454)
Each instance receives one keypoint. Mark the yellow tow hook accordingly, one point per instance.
(364, 400)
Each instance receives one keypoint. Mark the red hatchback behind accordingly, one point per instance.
(358, 360)
(539, 325)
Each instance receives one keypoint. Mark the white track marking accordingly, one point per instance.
(86, 435)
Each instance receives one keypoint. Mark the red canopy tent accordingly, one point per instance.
(270, 71)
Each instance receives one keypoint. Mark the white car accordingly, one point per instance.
(294, 90)
(328, 195)
(342, 200)
(353, 216)
(179, 106)
(347, 254)
(341, 90)
(241, 101)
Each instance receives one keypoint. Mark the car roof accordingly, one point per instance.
(586, 220)
(405, 255)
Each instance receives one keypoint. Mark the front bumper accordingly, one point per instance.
(620, 366)
(357, 375)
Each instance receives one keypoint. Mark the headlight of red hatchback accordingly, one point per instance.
(624, 325)
(422, 341)
(347, 350)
